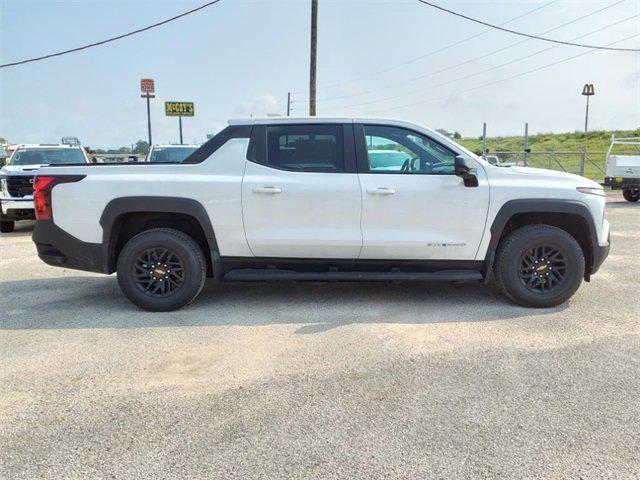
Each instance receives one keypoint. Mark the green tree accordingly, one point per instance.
(457, 135)
(141, 147)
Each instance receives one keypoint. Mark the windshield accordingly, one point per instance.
(47, 156)
(170, 154)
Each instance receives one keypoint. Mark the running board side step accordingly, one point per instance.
(257, 274)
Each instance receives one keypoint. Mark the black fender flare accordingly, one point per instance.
(541, 205)
(187, 206)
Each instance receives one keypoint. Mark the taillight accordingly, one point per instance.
(42, 187)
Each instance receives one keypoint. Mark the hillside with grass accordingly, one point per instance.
(596, 141)
(558, 151)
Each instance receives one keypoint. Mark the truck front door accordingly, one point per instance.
(414, 207)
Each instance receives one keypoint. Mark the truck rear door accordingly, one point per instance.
(300, 192)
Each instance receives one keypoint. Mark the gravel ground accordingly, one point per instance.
(319, 380)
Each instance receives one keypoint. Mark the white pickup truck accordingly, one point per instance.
(16, 178)
(318, 199)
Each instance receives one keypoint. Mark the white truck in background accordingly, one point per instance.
(170, 153)
(18, 172)
(623, 169)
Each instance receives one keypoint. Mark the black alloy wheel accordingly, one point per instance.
(161, 269)
(542, 268)
(539, 265)
(159, 272)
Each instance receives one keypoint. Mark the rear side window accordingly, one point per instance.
(306, 148)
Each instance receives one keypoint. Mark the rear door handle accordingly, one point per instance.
(381, 191)
(267, 190)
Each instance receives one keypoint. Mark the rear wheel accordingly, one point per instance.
(631, 194)
(539, 266)
(161, 270)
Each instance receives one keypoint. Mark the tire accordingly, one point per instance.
(160, 289)
(539, 266)
(7, 226)
(631, 195)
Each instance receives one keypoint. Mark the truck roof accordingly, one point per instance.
(281, 120)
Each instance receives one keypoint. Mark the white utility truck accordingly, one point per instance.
(318, 199)
(623, 169)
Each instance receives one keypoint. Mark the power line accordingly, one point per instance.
(473, 59)
(485, 70)
(497, 27)
(433, 52)
(112, 39)
(502, 79)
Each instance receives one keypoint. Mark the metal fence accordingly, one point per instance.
(588, 164)
(115, 157)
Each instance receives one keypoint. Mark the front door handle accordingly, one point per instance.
(381, 191)
(267, 190)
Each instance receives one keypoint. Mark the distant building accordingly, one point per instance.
(444, 132)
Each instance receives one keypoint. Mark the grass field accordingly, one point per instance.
(547, 149)
(597, 141)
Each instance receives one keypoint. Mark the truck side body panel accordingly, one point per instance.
(215, 183)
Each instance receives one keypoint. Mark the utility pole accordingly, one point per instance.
(484, 140)
(314, 45)
(288, 103)
(180, 124)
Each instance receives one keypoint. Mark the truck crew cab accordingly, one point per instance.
(17, 177)
(318, 199)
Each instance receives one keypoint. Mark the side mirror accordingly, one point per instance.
(464, 171)
(3, 162)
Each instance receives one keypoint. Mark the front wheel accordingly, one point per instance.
(161, 270)
(631, 194)
(539, 266)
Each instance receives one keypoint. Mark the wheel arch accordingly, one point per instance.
(572, 216)
(124, 217)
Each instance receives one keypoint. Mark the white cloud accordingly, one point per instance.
(260, 106)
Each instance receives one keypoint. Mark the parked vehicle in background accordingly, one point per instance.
(323, 199)
(170, 153)
(623, 170)
(17, 176)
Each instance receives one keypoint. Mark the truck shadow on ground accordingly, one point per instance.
(96, 302)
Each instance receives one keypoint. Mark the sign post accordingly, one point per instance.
(179, 109)
(147, 87)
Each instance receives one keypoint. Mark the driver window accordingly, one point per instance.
(396, 150)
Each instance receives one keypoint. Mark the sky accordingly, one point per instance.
(397, 59)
